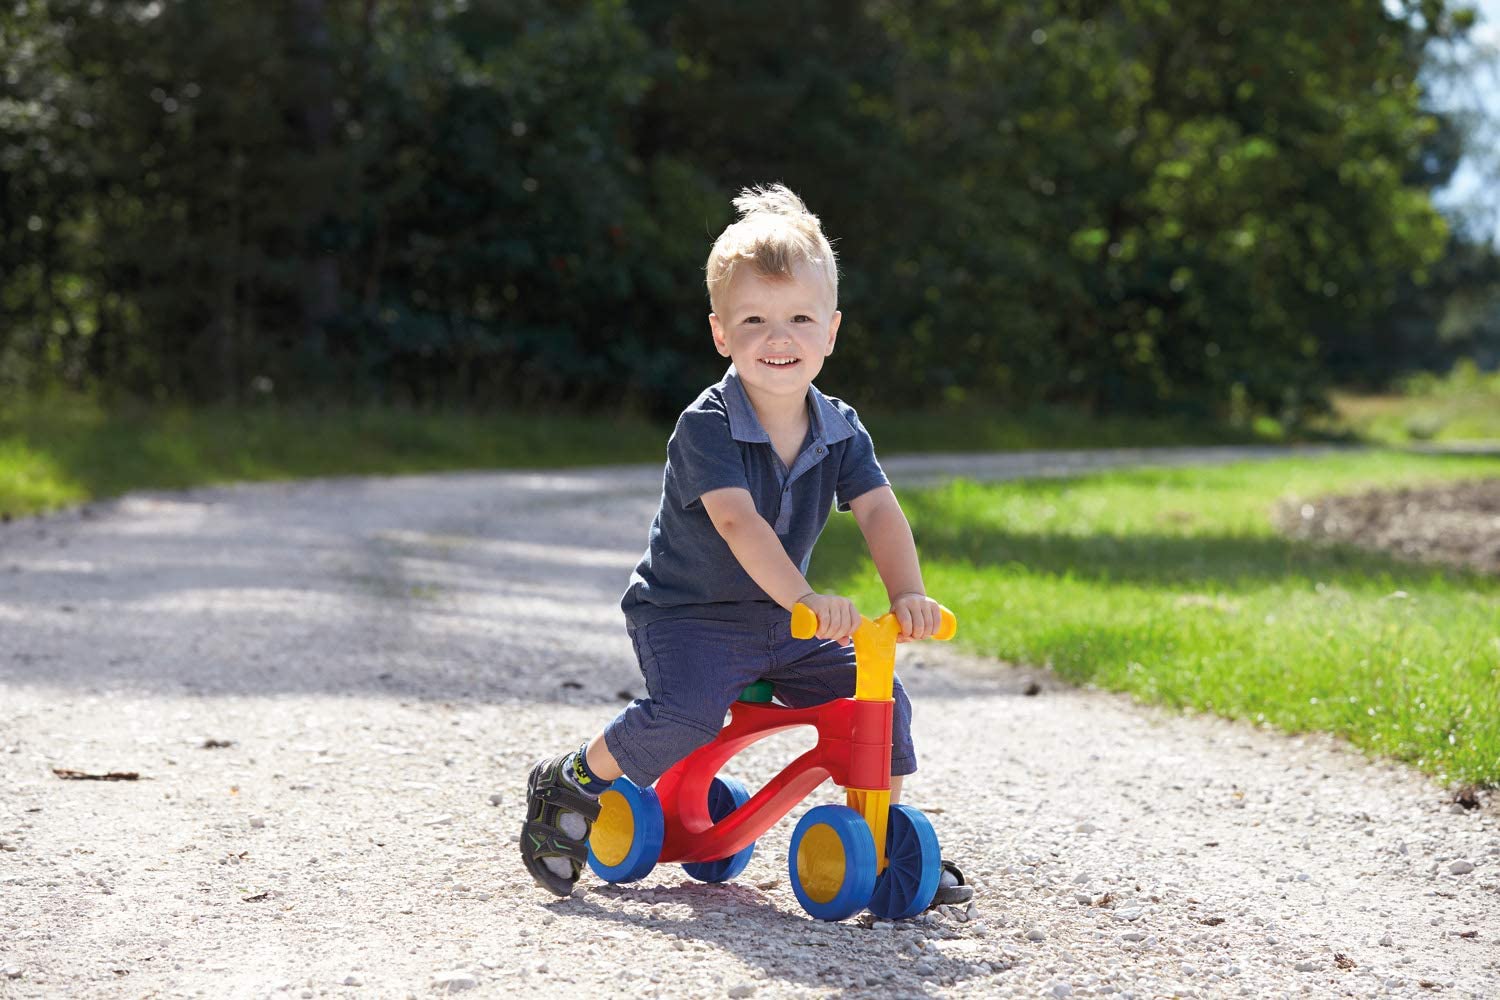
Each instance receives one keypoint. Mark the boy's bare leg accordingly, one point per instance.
(601, 761)
(896, 788)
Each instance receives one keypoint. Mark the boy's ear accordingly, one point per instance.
(718, 332)
(833, 331)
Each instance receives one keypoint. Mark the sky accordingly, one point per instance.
(1475, 188)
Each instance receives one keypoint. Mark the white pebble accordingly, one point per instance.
(1036, 935)
(741, 991)
(1307, 966)
(1461, 867)
(1062, 990)
(455, 982)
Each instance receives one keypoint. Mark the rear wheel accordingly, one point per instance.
(832, 862)
(725, 795)
(626, 839)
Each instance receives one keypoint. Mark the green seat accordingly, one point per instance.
(760, 691)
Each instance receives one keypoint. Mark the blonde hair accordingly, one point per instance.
(774, 233)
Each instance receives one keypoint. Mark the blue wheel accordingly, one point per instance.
(725, 795)
(832, 862)
(626, 839)
(913, 866)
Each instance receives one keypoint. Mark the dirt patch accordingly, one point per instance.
(1455, 524)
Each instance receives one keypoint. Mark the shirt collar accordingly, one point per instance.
(828, 424)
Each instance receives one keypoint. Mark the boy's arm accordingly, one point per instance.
(760, 554)
(888, 535)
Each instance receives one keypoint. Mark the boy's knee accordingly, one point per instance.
(647, 738)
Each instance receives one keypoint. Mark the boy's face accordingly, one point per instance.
(776, 330)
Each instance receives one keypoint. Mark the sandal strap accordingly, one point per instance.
(546, 841)
(565, 796)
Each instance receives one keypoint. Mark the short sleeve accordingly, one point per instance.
(859, 472)
(703, 456)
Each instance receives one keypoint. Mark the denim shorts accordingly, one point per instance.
(696, 668)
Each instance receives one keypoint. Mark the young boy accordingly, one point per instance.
(753, 467)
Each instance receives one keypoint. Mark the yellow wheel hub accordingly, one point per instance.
(820, 863)
(614, 830)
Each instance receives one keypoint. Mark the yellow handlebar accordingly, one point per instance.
(805, 623)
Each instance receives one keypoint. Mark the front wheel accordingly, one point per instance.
(725, 795)
(913, 866)
(626, 839)
(832, 862)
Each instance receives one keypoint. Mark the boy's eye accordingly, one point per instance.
(802, 318)
(752, 319)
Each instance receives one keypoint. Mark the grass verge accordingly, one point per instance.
(1173, 586)
(69, 450)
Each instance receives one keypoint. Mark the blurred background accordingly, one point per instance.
(1221, 209)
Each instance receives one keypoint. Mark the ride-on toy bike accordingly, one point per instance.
(843, 858)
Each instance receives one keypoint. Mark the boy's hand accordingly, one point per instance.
(837, 616)
(919, 616)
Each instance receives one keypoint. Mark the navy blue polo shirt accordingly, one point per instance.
(688, 570)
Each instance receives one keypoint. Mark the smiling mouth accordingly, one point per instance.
(781, 362)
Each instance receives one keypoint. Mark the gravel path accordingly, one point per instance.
(331, 690)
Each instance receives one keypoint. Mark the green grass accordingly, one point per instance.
(69, 450)
(976, 427)
(1173, 586)
(1463, 405)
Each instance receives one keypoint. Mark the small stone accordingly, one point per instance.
(1062, 990)
(1386, 941)
(257, 822)
(1307, 966)
(455, 982)
(1133, 936)
(1083, 899)
(972, 913)
(353, 981)
(741, 991)
(496, 798)
(1461, 867)
(1084, 828)
(768, 883)
(1036, 934)
(923, 968)
(444, 820)
(1129, 913)
(12, 972)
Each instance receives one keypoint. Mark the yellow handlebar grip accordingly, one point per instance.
(804, 622)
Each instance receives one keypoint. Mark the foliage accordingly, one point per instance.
(1133, 206)
(1173, 586)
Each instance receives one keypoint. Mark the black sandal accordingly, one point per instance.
(549, 794)
(953, 888)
